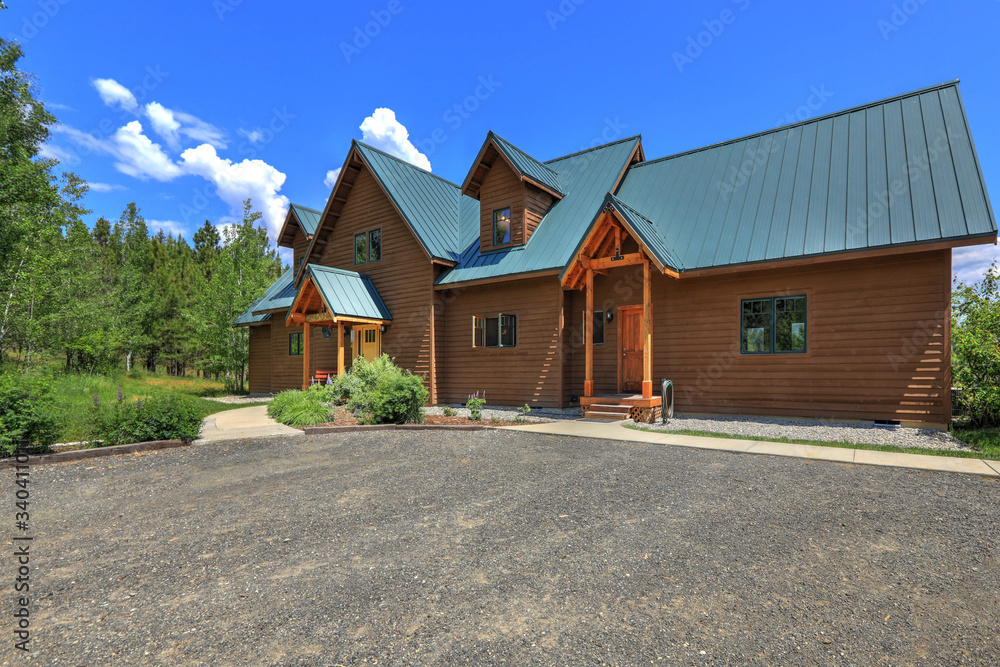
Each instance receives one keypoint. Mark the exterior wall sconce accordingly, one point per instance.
(384, 328)
(610, 316)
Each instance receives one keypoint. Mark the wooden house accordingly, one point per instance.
(804, 271)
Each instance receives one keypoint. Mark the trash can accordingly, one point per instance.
(667, 397)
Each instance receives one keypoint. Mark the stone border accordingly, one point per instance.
(97, 452)
(325, 430)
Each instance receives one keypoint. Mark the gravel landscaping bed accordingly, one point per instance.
(537, 415)
(240, 400)
(505, 547)
(791, 429)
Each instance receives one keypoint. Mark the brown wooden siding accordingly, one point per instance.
(501, 188)
(286, 371)
(299, 247)
(403, 277)
(529, 373)
(536, 204)
(877, 336)
(260, 359)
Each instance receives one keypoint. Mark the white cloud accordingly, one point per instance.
(254, 136)
(164, 124)
(384, 132)
(115, 94)
(170, 227)
(971, 263)
(139, 157)
(237, 181)
(331, 178)
(105, 187)
(53, 152)
(196, 129)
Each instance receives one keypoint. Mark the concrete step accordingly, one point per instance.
(610, 416)
(610, 407)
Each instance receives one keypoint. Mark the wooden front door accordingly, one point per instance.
(366, 342)
(630, 343)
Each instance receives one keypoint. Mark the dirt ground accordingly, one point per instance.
(499, 547)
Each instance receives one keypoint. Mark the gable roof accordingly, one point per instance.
(348, 293)
(587, 176)
(525, 166)
(895, 172)
(308, 218)
(279, 296)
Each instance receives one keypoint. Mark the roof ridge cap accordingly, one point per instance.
(594, 148)
(808, 121)
(311, 210)
(524, 153)
(404, 162)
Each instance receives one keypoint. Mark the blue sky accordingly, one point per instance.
(188, 106)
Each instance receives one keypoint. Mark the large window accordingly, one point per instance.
(295, 345)
(360, 248)
(598, 327)
(501, 226)
(773, 325)
(497, 331)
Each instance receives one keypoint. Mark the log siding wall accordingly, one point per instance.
(878, 336)
(501, 188)
(260, 359)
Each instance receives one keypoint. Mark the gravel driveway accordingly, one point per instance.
(511, 548)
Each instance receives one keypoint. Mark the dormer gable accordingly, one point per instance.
(514, 191)
(297, 231)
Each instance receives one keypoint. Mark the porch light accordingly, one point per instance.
(384, 328)
(610, 315)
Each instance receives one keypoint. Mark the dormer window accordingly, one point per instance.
(501, 226)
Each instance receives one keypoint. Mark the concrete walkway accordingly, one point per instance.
(586, 428)
(240, 424)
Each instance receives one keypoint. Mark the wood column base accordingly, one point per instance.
(647, 389)
(588, 388)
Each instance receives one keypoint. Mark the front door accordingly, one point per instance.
(630, 337)
(366, 342)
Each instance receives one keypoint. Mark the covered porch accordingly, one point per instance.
(340, 300)
(615, 229)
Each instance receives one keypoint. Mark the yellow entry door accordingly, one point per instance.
(367, 340)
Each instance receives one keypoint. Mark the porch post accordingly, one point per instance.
(647, 329)
(340, 348)
(305, 356)
(588, 379)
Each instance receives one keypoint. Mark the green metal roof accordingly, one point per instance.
(308, 218)
(429, 203)
(348, 293)
(278, 296)
(895, 172)
(528, 166)
(645, 230)
(587, 177)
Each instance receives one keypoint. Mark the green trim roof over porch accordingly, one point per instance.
(347, 294)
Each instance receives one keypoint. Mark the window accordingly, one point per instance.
(598, 327)
(370, 335)
(497, 331)
(774, 325)
(295, 345)
(360, 248)
(374, 245)
(501, 226)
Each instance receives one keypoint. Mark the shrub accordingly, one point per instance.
(975, 332)
(157, 418)
(382, 393)
(523, 412)
(299, 408)
(448, 412)
(475, 405)
(27, 412)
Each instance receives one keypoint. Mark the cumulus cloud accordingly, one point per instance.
(105, 187)
(139, 157)
(115, 94)
(164, 124)
(384, 132)
(971, 263)
(331, 178)
(237, 181)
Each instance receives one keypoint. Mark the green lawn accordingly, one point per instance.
(988, 447)
(74, 395)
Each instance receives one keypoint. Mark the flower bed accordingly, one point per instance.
(343, 417)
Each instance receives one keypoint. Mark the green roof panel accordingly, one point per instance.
(307, 217)
(529, 166)
(278, 296)
(348, 293)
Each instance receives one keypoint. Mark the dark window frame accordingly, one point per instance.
(371, 246)
(481, 331)
(292, 337)
(510, 227)
(604, 328)
(364, 256)
(773, 324)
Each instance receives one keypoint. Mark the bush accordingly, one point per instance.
(448, 412)
(382, 393)
(975, 332)
(475, 405)
(27, 412)
(299, 408)
(158, 418)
